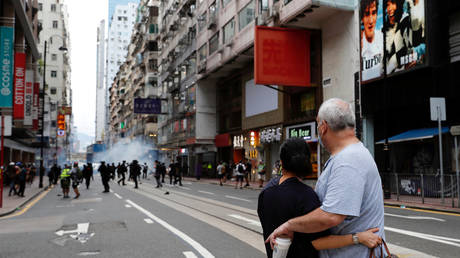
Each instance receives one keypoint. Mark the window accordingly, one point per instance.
(214, 43)
(40, 6)
(53, 91)
(263, 5)
(212, 10)
(202, 53)
(225, 2)
(55, 24)
(54, 74)
(202, 21)
(153, 28)
(119, 18)
(246, 15)
(53, 7)
(229, 31)
(53, 57)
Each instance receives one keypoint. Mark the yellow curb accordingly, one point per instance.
(29, 205)
(422, 210)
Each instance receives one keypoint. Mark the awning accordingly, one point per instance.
(416, 134)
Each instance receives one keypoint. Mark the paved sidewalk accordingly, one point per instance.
(390, 202)
(13, 202)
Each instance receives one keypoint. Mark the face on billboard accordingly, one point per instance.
(405, 34)
(400, 25)
(371, 16)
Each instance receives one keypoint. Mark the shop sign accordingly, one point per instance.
(28, 98)
(147, 106)
(305, 131)
(254, 138)
(269, 135)
(6, 66)
(36, 105)
(19, 85)
(238, 141)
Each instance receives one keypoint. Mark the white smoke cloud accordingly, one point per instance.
(135, 150)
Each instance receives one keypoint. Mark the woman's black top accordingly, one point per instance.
(279, 203)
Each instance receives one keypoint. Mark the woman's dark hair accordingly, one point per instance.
(295, 156)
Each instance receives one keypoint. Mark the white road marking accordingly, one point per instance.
(111, 190)
(414, 217)
(189, 255)
(183, 187)
(206, 192)
(250, 221)
(128, 206)
(118, 196)
(82, 228)
(434, 238)
(88, 253)
(148, 221)
(236, 198)
(197, 246)
(186, 183)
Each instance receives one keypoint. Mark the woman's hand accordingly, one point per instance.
(369, 238)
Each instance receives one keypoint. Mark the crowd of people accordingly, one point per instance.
(18, 175)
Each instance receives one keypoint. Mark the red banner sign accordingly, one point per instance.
(282, 56)
(19, 84)
(36, 100)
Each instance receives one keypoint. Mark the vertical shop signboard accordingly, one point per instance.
(36, 104)
(19, 85)
(6, 66)
(28, 97)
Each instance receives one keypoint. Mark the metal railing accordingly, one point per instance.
(426, 189)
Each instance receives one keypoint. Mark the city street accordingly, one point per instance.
(196, 220)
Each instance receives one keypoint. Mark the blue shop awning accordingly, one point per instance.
(416, 134)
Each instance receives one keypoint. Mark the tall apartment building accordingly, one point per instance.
(21, 81)
(137, 77)
(53, 19)
(100, 85)
(118, 38)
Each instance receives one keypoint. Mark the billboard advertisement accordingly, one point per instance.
(6, 69)
(282, 56)
(28, 97)
(19, 85)
(392, 33)
(147, 106)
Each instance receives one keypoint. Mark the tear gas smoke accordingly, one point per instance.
(135, 150)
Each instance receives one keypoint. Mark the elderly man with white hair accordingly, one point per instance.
(349, 188)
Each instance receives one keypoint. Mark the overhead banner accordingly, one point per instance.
(6, 68)
(19, 85)
(36, 104)
(391, 31)
(28, 97)
(282, 56)
(147, 106)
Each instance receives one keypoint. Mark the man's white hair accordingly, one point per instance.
(338, 114)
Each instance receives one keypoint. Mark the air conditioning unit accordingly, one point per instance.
(212, 23)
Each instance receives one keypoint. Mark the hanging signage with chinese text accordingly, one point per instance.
(19, 85)
(147, 106)
(269, 135)
(36, 104)
(238, 141)
(6, 68)
(28, 97)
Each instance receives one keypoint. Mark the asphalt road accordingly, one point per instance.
(196, 220)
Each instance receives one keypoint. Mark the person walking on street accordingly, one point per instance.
(76, 176)
(105, 176)
(220, 172)
(239, 172)
(247, 172)
(65, 181)
(145, 169)
(178, 173)
(57, 174)
(158, 174)
(163, 172)
(22, 176)
(171, 172)
(32, 174)
(349, 189)
(135, 171)
(122, 171)
(88, 174)
(11, 172)
(261, 173)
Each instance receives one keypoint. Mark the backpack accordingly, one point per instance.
(240, 168)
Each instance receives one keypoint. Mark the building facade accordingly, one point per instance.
(100, 85)
(53, 19)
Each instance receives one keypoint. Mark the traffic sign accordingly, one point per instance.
(455, 130)
(60, 132)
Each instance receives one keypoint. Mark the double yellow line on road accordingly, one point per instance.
(29, 205)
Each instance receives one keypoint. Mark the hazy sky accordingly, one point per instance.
(84, 18)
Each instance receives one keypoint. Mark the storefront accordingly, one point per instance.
(307, 131)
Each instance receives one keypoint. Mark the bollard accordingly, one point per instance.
(423, 189)
(397, 187)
